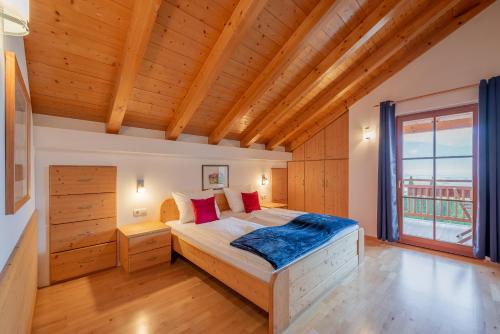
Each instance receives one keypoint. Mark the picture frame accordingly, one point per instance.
(214, 177)
(17, 137)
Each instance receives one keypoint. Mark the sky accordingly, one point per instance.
(452, 143)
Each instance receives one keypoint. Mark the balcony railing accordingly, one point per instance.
(453, 203)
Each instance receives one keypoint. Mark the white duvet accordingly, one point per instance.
(214, 238)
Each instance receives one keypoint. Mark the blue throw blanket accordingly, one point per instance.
(281, 245)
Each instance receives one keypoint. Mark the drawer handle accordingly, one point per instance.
(150, 242)
(85, 180)
(87, 260)
(85, 234)
(85, 207)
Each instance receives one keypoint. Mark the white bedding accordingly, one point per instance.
(214, 238)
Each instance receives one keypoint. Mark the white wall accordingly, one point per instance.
(76, 124)
(166, 166)
(465, 57)
(11, 226)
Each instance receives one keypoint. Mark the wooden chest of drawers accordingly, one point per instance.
(144, 245)
(82, 214)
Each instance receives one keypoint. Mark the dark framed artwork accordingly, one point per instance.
(17, 137)
(214, 176)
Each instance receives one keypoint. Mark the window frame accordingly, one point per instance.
(432, 243)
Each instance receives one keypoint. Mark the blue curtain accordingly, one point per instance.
(387, 217)
(487, 239)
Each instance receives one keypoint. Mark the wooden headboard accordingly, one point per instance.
(169, 211)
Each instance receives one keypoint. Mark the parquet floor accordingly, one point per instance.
(397, 290)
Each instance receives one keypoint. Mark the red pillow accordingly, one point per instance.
(204, 210)
(250, 201)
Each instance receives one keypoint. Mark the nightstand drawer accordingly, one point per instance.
(149, 258)
(148, 242)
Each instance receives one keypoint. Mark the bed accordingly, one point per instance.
(285, 294)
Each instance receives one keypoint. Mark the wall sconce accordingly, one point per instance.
(15, 15)
(265, 180)
(368, 134)
(140, 187)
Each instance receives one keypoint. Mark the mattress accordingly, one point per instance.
(214, 238)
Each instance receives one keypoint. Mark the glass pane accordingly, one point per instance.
(418, 215)
(454, 179)
(454, 222)
(418, 138)
(417, 177)
(454, 135)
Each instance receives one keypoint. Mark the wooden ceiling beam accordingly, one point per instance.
(440, 28)
(241, 20)
(274, 68)
(141, 25)
(365, 30)
(408, 35)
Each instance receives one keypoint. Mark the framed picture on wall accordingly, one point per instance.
(17, 137)
(214, 176)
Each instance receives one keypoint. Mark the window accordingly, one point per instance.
(437, 178)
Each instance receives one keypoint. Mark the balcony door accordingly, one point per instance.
(436, 168)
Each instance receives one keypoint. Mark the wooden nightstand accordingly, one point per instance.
(144, 245)
(273, 205)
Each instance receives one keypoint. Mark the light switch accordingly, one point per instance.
(140, 212)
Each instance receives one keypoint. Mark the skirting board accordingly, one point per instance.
(18, 283)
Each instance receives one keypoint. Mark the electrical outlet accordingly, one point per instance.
(140, 212)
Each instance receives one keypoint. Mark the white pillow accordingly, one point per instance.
(183, 201)
(233, 196)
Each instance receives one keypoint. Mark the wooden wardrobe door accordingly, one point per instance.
(296, 185)
(337, 138)
(337, 187)
(278, 185)
(299, 153)
(315, 147)
(315, 186)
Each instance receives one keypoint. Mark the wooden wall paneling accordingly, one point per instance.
(315, 147)
(347, 47)
(18, 282)
(238, 24)
(139, 31)
(421, 32)
(337, 187)
(279, 182)
(296, 185)
(273, 69)
(337, 138)
(315, 186)
(299, 153)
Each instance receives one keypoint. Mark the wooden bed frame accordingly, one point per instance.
(294, 289)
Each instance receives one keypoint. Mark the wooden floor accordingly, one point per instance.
(397, 290)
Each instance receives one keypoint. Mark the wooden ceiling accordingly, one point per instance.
(272, 72)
